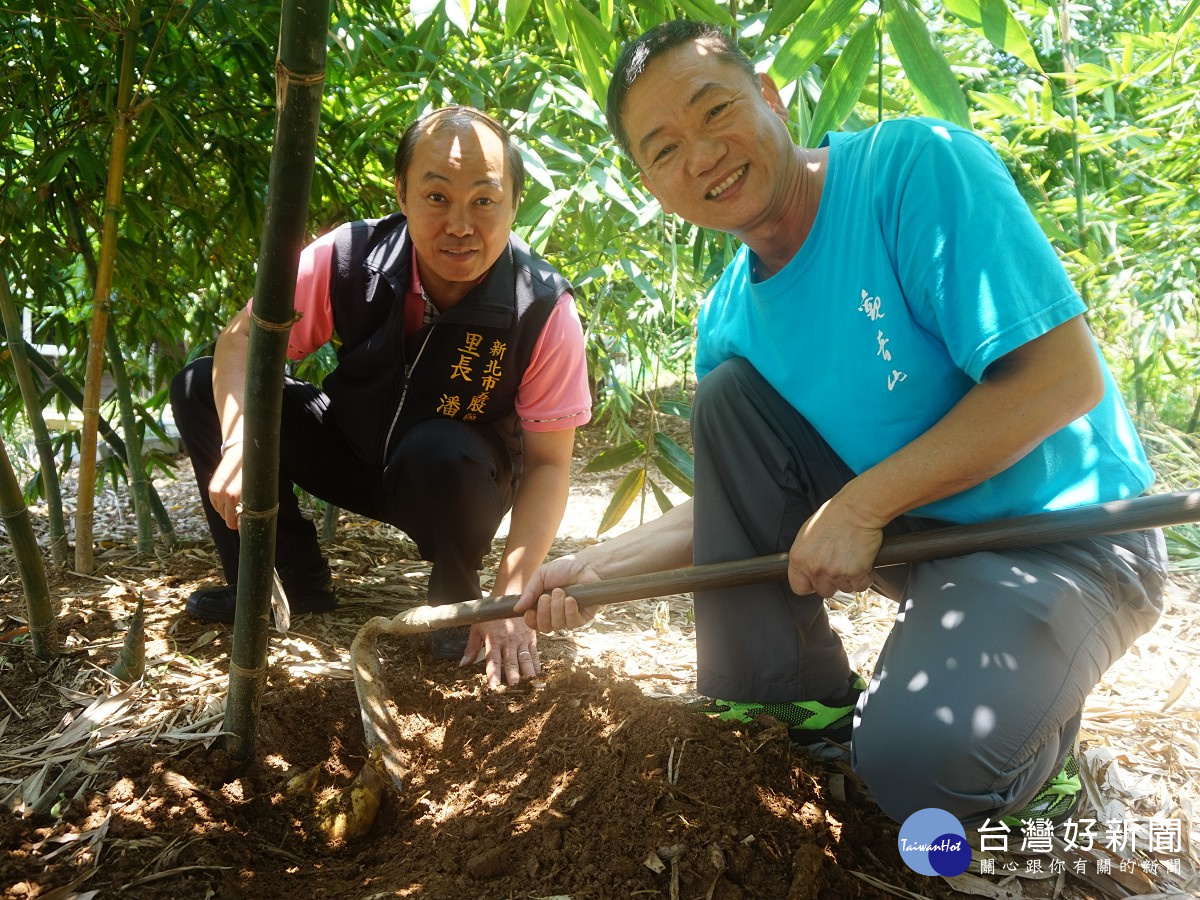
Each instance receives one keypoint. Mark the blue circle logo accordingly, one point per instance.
(932, 842)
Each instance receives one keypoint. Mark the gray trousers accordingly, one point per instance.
(977, 694)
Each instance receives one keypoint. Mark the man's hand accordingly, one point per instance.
(510, 651)
(225, 487)
(546, 605)
(834, 551)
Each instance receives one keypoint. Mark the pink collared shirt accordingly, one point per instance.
(554, 392)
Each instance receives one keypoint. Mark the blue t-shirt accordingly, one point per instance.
(923, 267)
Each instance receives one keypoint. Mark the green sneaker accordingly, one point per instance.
(807, 721)
(1056, 801)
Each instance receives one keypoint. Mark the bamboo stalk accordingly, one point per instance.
(300, 76)
(84, 558)
(134, 466)
(42, 629)
(37, 424)
(146, 502)
(71, 391)
(329, 522)
(1072, 88)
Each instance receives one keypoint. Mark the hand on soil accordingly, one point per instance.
(509, 650)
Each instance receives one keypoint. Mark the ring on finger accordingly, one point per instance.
(525, 653)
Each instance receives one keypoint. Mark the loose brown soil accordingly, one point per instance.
(582, 787)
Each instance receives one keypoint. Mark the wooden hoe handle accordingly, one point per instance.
(1115, 517)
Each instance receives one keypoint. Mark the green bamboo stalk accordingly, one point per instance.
(1072, 87)
(329, 522)
(43, 631)
(135, 467)
(84, 558)
(146, 501)
(300, 76)
(37, 424)
(74, 394)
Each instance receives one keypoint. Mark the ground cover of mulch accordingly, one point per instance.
(599, 783)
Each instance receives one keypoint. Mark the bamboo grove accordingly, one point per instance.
(136, 151)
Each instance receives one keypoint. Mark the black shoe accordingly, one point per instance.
(213, 604)
(450, 643)
(217, 604)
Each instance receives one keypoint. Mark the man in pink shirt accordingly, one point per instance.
(460, 381)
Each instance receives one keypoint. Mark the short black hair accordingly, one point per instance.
(457, 116)
(638, 53)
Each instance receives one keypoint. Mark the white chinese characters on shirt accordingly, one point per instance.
(873, 308)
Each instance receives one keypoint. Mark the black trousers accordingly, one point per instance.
(447, 484)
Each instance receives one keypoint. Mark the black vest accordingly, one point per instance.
(466, 365)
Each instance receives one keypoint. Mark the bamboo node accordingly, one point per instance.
(256, 673)
(258, 513)
(285, 77)
(271, 326)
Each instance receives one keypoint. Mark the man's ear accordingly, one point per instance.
(649, 185)
(771, 94)
(400, 196)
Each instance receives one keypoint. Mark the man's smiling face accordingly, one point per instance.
(710, 141)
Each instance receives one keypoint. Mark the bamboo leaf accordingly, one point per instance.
(1184, 16)
(935, 87)
(674, 474)
(784, 14)
(845, 82)
(677, 408)
(591, 67)
(675, 462)
(627, 491)
(705, 11)
(667, 446)
(193, 11)
(996, 22)
(557, 20)
(616, 457)
(422, 9)
(660, 497)
(594, 47)
(461, 13)
(814, 33)
(514, 12)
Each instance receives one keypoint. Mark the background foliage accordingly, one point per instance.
(1093, 107)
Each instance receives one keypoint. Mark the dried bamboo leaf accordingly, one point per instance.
(171, 873)
(101, 710)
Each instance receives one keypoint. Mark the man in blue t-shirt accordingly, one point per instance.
(895, 347)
